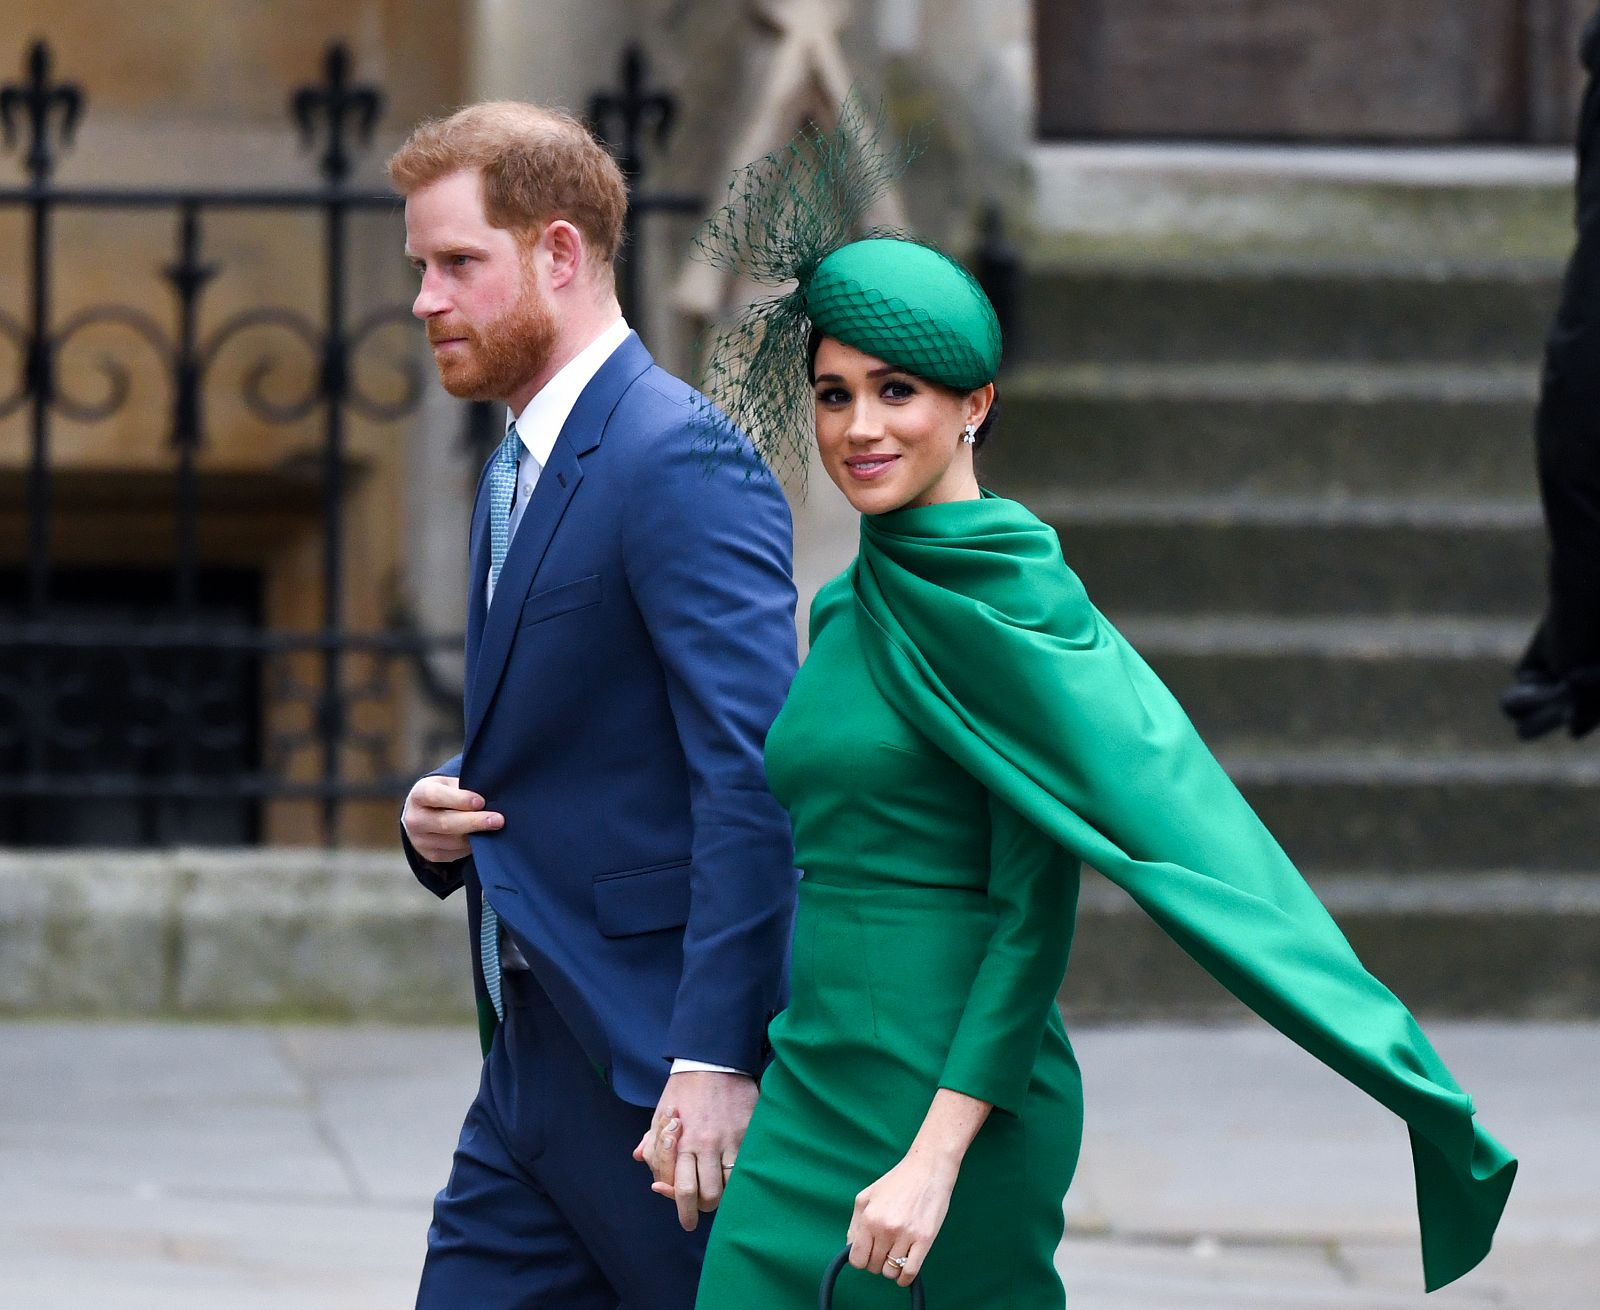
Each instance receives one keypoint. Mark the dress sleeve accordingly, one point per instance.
(1033, 889)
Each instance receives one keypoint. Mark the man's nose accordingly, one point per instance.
(429, 301)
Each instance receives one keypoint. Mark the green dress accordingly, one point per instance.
(967, 731)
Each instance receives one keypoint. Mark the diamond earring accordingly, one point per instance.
(970, 436)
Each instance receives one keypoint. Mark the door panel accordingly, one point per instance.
(1356, 70)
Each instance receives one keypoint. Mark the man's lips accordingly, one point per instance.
(866, 467)
(446, 334)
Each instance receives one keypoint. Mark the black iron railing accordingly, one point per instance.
(632, 118)
(146, 708)
(147, 702)
(138, 705)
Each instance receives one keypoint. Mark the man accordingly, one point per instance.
(630, 637)
(1557, 681)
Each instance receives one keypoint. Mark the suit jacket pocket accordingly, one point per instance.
(576, 595)
(642, 900)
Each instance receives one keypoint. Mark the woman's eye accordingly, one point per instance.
(832, 396)
(898, 391)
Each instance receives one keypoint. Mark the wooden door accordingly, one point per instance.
(1426, 71)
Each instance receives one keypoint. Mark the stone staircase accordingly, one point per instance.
(1301, 483)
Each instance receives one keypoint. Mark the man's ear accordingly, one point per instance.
(564, 245)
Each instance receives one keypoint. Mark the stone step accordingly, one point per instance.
(1274, 429)
(1405, 684)
(1140, 200)
(273, 934)
(263, 933)
(1301, 555)
(1517, 943)
(1100, 310)
(1279, 406)
(1403, 812)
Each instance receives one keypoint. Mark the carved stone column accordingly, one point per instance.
(553, 51)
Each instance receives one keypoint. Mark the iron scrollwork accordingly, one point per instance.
(169, 701)
(296, 326)
(404, 365)
(17, 335)
(117, 377)
(173, 700)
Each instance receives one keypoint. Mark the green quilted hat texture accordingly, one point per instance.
(797, 220)
(908, 305)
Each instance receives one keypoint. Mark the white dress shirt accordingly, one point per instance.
(538, 426)
(543, 417)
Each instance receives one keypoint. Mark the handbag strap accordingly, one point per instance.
(825, 1299)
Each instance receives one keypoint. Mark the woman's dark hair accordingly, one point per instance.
(814, 343)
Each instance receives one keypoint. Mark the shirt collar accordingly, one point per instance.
(542, 418)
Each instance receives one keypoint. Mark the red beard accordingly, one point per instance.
(493, 361)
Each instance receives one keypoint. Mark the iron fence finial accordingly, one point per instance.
(40, 100)
(342, 105)
(633, 111)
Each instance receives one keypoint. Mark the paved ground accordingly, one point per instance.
(161, 1167)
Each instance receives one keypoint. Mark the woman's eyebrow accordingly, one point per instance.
(883, 372)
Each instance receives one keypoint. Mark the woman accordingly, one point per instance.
(966, 732)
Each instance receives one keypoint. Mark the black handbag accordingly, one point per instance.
(825, 1300)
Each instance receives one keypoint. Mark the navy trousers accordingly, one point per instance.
(546, 1209)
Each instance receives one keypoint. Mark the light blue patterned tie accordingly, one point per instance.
(502, 492)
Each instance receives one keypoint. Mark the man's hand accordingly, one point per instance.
(439, 815)
(694, 1138)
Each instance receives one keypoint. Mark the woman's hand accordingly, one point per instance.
(658, 1148)
(897, 1217)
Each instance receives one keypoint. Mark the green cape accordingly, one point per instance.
(1065, 722)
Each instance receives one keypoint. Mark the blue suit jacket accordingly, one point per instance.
(619, 692)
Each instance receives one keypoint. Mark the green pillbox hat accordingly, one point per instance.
(908, 305)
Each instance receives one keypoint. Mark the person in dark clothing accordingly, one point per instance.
(1558, 678)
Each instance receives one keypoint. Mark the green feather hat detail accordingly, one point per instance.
(792, 219)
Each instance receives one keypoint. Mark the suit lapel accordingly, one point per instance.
(558, 482)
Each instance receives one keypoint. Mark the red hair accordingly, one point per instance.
(536, 165)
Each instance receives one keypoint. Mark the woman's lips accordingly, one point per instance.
(866, 467)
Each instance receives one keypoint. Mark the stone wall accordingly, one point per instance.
(259, 934)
